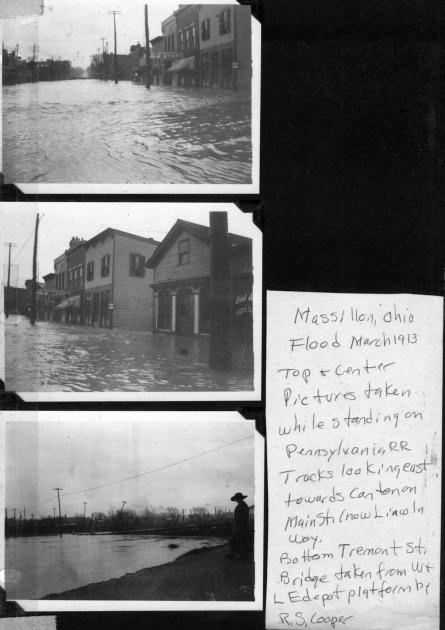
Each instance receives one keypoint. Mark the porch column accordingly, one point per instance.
(156, 313)
(196, 312)
(173, 312)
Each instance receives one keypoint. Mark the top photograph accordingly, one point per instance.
(105, 97)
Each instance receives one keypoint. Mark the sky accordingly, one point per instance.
(61, 221)
(77, 451)
(73, 30)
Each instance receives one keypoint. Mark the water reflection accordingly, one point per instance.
(44, 565)
(56, 357)
(98, 132)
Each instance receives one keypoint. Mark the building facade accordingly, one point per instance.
(225, 46)
(170, 47)
(117, 284)
(181, 281)
(185, 70)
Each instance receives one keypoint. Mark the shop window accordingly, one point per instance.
(224, 22)
(164, 310)
(105, 266)
(137, 265)
(205, 29)
(184, 252)
(90, 271)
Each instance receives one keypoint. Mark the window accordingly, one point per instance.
(181, 41)
(173, 42)
(224, 22)
(137, 265)
(205, 29)
(194, 42)
(187, 39)
(105, 266)
(90, 271)
(184, 252)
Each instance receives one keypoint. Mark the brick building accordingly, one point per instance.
(185, 70)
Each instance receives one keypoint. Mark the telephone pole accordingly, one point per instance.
(147, 48)
(60, 512)
(8, 288)
(114, 13)
(34, 275)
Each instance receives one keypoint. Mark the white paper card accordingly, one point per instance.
(354, 450)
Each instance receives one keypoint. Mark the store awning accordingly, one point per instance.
(188, 63)
(71, 302)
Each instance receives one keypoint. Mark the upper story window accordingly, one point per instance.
(193, 42)
(181, 41)
(105, 266)
(173, 41)
(205, 29)
(90, 271)
(184, 252)
(137, 265)
(224, 22)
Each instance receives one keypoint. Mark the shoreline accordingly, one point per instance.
(205, 574)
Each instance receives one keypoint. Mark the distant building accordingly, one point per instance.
(181, 281)
(117, 284)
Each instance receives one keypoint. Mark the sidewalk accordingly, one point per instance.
(57, 357)
(201, 575)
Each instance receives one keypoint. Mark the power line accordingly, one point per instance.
(150, 472)
(25, 243)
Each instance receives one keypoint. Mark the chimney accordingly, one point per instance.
(220, 350)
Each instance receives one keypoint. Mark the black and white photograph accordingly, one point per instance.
(131, 509)
(124, 97)
(130, 301)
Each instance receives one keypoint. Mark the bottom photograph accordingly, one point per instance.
(132, 511)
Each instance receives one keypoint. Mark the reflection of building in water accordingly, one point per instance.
(181, 282)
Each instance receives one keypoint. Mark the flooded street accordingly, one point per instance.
(54, 357)
(42, 565)
(91, 131)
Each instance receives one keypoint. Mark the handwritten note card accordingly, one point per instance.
(354, 440)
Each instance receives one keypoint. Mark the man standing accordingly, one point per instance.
(240, 538)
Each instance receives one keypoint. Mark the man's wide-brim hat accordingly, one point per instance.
(239, 496)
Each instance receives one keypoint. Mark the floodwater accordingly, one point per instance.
(37, 566)
(91, 131)
(56, 357)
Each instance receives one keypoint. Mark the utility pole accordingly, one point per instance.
(8, 288)
(103, 58)
(114, 13)
(84, 517)
(147, 48)
(34, 275)
(60, 512)
(24, 513)
(54, 512)
(120, 513)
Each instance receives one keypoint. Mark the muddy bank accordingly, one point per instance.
(202, 574)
